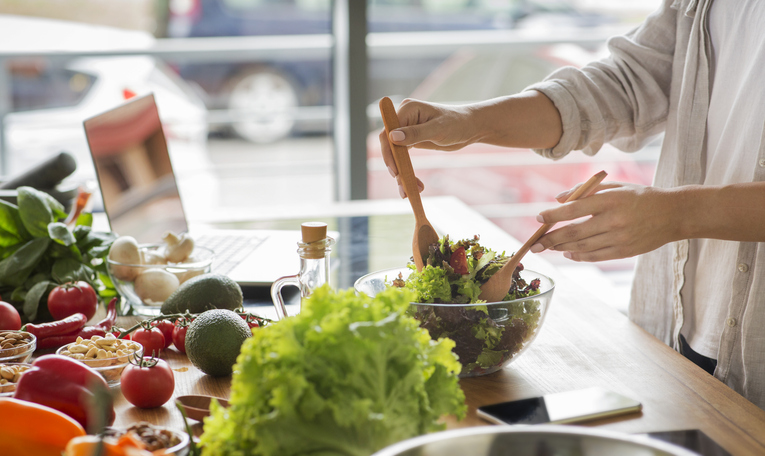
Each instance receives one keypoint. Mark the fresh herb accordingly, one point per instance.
(39, 252)
(349, 375)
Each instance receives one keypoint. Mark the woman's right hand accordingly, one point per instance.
(528, 120)
(426, 126)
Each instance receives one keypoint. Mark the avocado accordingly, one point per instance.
(204, 292)
(214, 340)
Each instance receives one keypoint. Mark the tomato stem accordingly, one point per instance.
(146, 324)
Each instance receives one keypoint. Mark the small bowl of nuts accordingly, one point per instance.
(106, 355)
(9, 376)
(16, 346)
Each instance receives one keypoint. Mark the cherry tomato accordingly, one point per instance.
(151, 339)
(179, 337)
(251, 321)
(70, 298)
(167, 328)
(147, 384)
(117, 331)
(458, 261)
(9, 317)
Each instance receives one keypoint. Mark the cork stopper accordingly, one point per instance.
(313, 231)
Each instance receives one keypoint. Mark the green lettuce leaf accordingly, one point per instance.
(349, 375)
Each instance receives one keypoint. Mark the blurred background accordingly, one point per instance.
(273, 103)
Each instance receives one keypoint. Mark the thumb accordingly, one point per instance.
(410, 135)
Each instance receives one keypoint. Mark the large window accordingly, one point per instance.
(247, 93)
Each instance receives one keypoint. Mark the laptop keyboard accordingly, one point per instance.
(230, 249)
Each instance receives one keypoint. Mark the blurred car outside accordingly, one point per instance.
(273, 93)
(50, 98)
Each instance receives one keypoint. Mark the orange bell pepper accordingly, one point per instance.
(30, 429)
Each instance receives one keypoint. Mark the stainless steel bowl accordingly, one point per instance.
(537, 440)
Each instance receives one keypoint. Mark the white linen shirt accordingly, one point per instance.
(657, 79)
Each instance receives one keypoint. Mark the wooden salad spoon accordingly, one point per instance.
(424, 233)
(498, 284)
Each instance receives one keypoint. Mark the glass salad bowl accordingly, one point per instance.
(146, 286)
(488, 336)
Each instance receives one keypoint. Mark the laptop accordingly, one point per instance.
(141, 198)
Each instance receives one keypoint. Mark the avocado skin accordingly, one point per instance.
(204, 292)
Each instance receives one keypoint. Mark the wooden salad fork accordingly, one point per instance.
(498, 284)
(424, 233)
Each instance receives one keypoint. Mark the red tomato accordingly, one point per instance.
(148, 384)
(167, 328)
(117, 331)
(251, 322)
(151, 339)
(70, 298)
(458, 261)
(9, 317)
(179, 338)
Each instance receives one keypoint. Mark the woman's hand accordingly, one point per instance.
(426, 126)
(619, 221)
(528, 119)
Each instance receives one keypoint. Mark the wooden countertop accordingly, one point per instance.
(584, 342)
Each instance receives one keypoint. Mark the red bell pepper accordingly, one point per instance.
(68, 386)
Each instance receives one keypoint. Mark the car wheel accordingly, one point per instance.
(263, 102)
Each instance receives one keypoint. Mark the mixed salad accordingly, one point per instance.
(486, 336)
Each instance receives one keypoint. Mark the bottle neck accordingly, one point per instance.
(314, 264)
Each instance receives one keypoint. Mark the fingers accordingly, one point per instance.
(387, 154)
(564, 195)
(402, 192)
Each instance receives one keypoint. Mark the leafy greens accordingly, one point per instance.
(38, 252)
(485, 336)
(349, 375)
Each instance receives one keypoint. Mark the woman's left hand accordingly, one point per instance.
(620, 220)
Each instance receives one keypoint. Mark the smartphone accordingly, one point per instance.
(565, 407)
(692, 439)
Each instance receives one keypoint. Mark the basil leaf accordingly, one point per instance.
(16, 268)
(33, 297)
(61, 233)
(85, 219)
(35, 211)
(18, 295)
(71, 270)
(11, 228)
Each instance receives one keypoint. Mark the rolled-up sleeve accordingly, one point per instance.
(622, 99)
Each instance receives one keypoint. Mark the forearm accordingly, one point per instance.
(526, 120)
(732, 212)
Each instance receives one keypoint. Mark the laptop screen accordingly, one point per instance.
(132, 162)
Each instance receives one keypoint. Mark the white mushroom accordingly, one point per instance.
(152, 257)
(124, 250)
(154, 285)
(178, 248)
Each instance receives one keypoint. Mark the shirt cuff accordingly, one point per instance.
(569, 114)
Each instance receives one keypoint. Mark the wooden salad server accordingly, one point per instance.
(424, 233)
(498, 284)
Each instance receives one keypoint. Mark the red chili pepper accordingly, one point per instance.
(111, 316)
(59, 341)
(67, 325)
(66, 385)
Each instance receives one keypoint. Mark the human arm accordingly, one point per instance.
(624, 220)
(528, 119)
